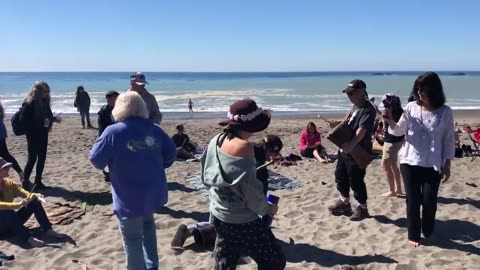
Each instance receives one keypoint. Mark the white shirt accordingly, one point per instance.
(429, 136)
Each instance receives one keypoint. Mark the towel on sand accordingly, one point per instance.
(58, 214)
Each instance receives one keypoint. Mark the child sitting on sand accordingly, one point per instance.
(311, 144)
(12, 221)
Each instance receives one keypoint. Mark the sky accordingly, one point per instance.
(223, 35)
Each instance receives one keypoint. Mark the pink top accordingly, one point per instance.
(310, 140)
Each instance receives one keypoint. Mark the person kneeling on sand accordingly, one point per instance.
(311, 144)
(266, 151)
(12, 221)
(237, 202)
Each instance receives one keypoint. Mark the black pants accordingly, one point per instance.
(308, 152)
(12, 222)
(37, 153)
(349, 175)
(254, 239)
(421, 186)
(8, 158)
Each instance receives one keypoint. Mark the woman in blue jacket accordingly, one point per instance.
(137, 152)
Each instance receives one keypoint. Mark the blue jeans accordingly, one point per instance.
(85, 113)
(140, 242)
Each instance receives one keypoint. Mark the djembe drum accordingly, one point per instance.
(343, 133)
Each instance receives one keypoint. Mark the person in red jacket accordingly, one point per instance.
(311, 144)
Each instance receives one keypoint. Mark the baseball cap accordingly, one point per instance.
(355, 85)
(138, 78)
(4, 164)
(112, 93)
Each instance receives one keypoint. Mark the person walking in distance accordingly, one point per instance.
(190, 106)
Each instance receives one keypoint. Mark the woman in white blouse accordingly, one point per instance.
(427, 124)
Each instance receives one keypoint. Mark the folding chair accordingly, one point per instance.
(475, 140)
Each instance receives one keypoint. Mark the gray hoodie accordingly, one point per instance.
(236, 196)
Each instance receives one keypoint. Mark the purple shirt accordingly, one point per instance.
(137, 153)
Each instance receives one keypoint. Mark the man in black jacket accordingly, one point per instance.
(105, 118)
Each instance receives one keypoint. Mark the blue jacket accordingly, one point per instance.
(137, 153)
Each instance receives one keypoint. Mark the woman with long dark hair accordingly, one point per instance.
(4, 153)
(82, 103)
(37, 118)
(237, 201)
(425, 156)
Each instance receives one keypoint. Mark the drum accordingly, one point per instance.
(343, 133)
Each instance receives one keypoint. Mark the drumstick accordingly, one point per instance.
(324, 119)
(265, 165)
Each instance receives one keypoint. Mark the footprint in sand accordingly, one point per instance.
(293, 214)
(338, 236)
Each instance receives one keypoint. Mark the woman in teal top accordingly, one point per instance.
(237, 202)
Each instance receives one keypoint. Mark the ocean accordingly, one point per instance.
(212, 92)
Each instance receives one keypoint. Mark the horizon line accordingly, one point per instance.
(294, 71)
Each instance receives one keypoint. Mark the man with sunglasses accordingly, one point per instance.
(137, 84)
(348, 175)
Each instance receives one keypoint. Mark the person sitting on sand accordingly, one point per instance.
(137, 151)
(12, 220)
(426, 154)
(185, 149)
(266, 151)
(311, 144)
(391, 146)
(237, 202)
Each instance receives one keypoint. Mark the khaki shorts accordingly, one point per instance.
(390, 151)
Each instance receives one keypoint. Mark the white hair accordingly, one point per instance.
(129, 104)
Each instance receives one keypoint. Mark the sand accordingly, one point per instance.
(312, 238)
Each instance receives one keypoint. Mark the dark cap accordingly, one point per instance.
(112, 93)
(138, 78)
(355, 85)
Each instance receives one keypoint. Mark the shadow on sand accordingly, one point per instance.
(449, 234)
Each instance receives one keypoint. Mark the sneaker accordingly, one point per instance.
(341, 208)
(360, 213)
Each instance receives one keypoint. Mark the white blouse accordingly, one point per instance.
(429, 136)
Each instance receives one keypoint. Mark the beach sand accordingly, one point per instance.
(311, 237)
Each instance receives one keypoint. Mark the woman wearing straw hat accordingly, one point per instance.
(237, 202)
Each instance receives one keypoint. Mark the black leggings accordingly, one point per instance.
(37, 153)
(421, 186)
(7, 157)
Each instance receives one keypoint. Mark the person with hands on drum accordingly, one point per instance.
(348, 174)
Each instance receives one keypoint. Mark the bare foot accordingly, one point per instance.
(388, 194)
(413, 243)
(54, 234)
(34, 242)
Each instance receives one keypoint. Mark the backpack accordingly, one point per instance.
(17, 125)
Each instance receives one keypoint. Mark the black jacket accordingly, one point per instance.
(34, 117)
(82, 101)
(105, 118)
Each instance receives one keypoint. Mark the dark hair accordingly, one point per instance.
(311, 124)
(430, 85)
(231, 131)
(180, 127)
(78, 89)
(273, 143)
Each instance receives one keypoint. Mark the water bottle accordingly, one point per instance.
(273, 200)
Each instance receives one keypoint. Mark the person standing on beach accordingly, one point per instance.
(137, 152)
(391, 146)
(137, 84)
(190, 106)
(348, 175)
(237, 202)
(105, 119)
(37, 118)
(425, 156)
(82, 103)
(4, 153)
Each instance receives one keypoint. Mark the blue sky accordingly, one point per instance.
(203, 35)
